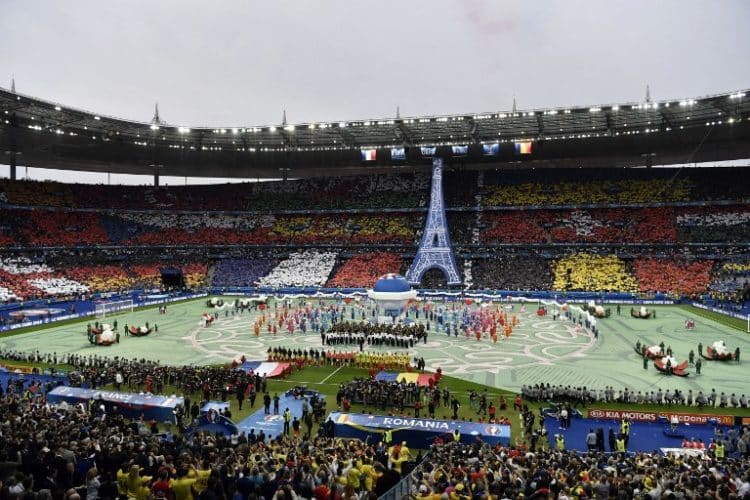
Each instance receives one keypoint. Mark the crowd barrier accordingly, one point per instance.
(407, 486)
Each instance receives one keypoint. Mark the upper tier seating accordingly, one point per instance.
(610, 225)
(376, 191)
(522, 187)
(588, 192)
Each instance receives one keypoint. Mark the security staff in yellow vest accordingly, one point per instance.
(388, 437)
(719, 450)
(456, 435)
(621, 445)
(625, 430)
(560, 442)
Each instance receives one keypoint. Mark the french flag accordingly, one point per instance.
(369, 154)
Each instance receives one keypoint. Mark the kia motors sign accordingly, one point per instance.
(649, 416)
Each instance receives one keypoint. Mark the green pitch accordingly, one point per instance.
(539, 349)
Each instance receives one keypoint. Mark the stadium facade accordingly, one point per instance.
(40, 133)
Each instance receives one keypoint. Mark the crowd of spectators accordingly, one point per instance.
(245, 272)
(731, 283)
(651, 225)
(714, 224)
(397, 395)
(588, 192)
(512, 272)
(600, 225)
(366, 191)
(461, 226)
(463, 471)
(363, 270)
(25, 279)
(596, 273)
(80, 451)
(582, 396)
(309, 268)
(673, 276)
(434, 278)
(157, 216)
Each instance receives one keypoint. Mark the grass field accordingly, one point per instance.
(540, 350)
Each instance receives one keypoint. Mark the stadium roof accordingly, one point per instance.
(51, 135)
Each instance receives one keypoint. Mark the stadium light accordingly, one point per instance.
(58, 108)
(289, 128)
(342, 124)
(183, 130)
(272, 129)
(97, 118)
(615, 108)
(235, 131)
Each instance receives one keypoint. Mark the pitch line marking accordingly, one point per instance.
(331, 375)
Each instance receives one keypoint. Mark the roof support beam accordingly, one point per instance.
(347, 137)
(540, 124)
(403, 133)
(473, 129)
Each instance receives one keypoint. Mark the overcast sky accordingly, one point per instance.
(240, 63)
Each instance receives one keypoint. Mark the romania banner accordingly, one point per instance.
(270, 369)
(422, 379)
(523, 148)
(417, 432)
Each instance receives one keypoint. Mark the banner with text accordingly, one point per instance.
(650, 416)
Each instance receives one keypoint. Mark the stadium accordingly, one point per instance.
(445, 306)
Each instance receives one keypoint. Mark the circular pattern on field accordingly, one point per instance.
(542, 341)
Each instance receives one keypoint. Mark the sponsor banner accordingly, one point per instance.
(639, 301)
(417, 432)
(745, 420)
(650, 416)
(131, 405)
(719, 311)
